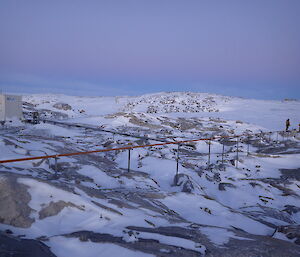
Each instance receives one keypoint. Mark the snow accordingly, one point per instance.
(219, 236)
(196, 209)
(169, 240)
(99, 177)
(104, 197)
(272, 114)
(66, 247)
(55, 130)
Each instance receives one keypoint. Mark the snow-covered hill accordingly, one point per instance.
(176, 102)
(244, 202)
(270, 115)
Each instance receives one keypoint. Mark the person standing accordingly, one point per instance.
(287, 125)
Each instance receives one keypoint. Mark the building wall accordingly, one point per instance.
(2, 107)
(12, 107)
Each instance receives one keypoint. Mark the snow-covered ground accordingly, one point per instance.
(269, 114)
(90, 204)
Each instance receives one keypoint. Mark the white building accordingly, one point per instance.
(10, 107)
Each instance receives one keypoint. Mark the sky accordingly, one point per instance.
(130, 47)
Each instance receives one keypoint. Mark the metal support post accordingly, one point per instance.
(223, 148)
(177, 160)
(208, 161)
(177, 165)
(237, 152)
(248, 146)
(128, 169)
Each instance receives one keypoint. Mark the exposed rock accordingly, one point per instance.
(62, 106)
(222, 186)
(15, 198)
(278, 183)
(260, 213)
(178, 179)
(213, 177)
(247, 246)
(54, 208)
(184, 181)
(8, 231)
(254, 184)
(107, 208)
(108, 143)
(217, 177)
(290, 174)
(188, 187)
(11, 246)
(290, 209)
(291, 232)
(150, 246)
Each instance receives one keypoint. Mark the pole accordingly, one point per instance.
(128, 169)
(223, 154)
(237, 152)
(248, 145)
(177, 165)
(208, 162)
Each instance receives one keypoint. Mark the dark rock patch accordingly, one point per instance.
(151, 246)
(56, 207)
(11, 246)
(290, 173)
(222, 186)
(291, 232)
(62, 106)
(290, 209)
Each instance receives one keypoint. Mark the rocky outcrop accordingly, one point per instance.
(62, 106)
(150, 246)
(14, 200)
(54, 208)
(11, 246)
(291, 232)
(222, 186)
(185, 182)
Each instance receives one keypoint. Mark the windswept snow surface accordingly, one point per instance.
(88, 205)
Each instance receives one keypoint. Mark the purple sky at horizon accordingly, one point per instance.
(244, 48)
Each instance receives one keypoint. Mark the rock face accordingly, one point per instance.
(149, 246)
(11, 246)
(291, 232)
(183, 181)
(14, 200)
(222, 186)
(175, 102)
(54, 208)
(62, 106)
